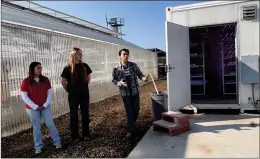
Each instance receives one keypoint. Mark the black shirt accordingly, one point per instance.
(78, 85)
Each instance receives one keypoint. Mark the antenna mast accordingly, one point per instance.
(116, 24)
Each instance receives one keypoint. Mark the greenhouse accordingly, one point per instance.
(32, 35)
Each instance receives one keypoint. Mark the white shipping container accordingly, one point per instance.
(213, 55)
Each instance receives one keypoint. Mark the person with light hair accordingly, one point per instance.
(76, 77)
(36, 92)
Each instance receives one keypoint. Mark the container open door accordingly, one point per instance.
(177, 66)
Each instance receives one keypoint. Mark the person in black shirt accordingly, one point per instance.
(75, 80)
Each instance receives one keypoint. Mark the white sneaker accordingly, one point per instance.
(58, 146)
(37, 151)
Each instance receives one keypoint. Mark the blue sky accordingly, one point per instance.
(144, 20)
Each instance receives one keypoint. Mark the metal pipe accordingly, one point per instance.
(6, 22)
(253, 97)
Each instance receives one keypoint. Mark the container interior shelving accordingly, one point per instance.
(229, 77)
(197, 66)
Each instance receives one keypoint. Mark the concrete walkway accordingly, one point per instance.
(211, 136)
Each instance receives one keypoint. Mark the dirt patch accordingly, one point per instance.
(108, 130)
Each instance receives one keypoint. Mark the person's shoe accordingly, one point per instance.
(87, 138)
(58, 146)
(75, 139)
(37, 151)
(128, 135)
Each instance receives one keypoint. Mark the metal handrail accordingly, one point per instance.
(64, 16)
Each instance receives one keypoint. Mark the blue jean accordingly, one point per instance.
(35, 117)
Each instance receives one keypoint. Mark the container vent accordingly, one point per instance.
(249, 12)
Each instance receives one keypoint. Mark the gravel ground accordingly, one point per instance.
(108, 131)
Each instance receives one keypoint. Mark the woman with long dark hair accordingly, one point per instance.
(75, 80)
(36, 92)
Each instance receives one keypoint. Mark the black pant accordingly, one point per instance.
(132, 107)
(76, 99)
